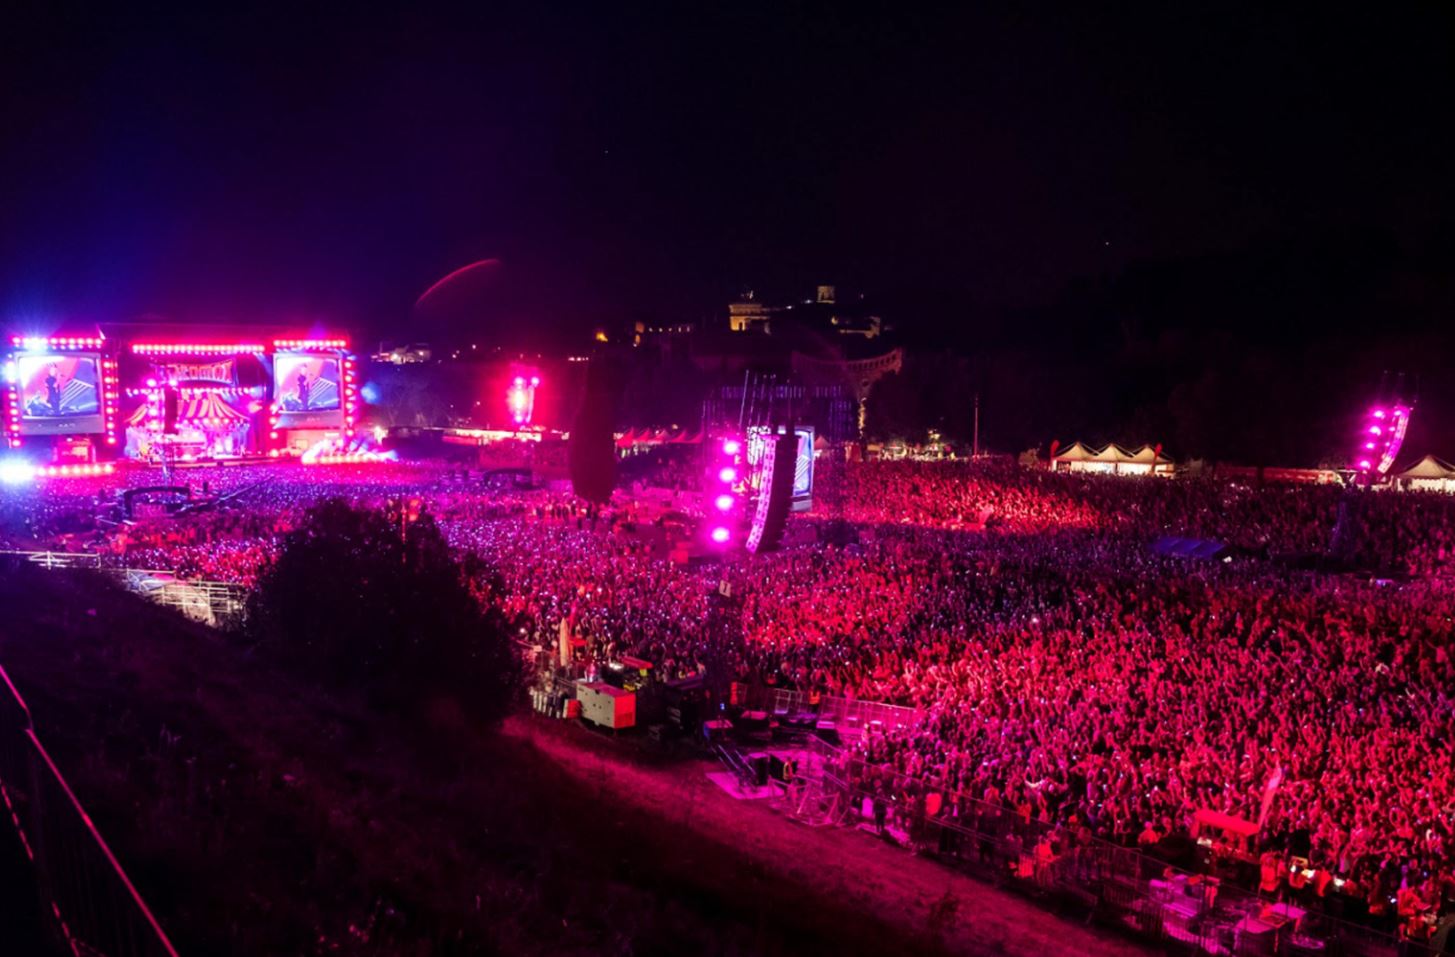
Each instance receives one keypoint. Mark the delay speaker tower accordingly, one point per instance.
(591, 452)
(775, 493)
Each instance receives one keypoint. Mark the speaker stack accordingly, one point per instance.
(775, 494)
(591, 452)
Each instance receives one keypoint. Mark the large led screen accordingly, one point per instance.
(306, 390)
(803, 470)
(60, 394)
(802, 466)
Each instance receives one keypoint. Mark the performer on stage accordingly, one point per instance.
(53, 389)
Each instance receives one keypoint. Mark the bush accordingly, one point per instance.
(353, 602)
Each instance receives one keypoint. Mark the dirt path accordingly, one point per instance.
(893, 885)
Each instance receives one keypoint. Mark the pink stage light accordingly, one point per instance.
(194, 348)
(728, 474)
(724, 503)
(1383, 434)
(721, 535)
(37, 343)
(303, 345)
(520, 399)
(731, 447)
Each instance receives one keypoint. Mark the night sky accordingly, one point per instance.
(653, 161)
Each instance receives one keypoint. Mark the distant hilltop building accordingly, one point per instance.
(661, 335)
(405, 355)
(823, 313)
(749, 315)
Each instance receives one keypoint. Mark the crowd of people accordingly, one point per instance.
(1407, 533)
(1060, 667)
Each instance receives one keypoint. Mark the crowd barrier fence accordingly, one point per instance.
(849, 716)
(94, 907)
(218, 604)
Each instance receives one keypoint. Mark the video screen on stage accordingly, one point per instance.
(60, 394)
(306, 388)
(802, 466)
(803, 470)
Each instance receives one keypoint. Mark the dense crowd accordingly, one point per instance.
(1060, 668)
(1408, 533)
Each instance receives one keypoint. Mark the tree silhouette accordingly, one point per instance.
(355, 602)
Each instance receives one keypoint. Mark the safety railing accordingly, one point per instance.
(850, 716)
(94, 908)
(58, 559)
(209, 602)
(212, 603)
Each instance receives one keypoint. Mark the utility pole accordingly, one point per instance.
(975, 442)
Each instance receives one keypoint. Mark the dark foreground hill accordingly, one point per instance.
(259, 816)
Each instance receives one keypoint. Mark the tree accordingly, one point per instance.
(355, 603)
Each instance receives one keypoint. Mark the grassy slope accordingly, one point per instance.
(260, 817)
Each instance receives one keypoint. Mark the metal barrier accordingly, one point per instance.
(212, 603)
(94, 907)
(58, 559)
(1177, 909)
(851, 716)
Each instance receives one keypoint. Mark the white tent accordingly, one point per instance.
(1113, 460)
(1073, 458)
(1148, 461)
(1429, 474)
(1114, 454)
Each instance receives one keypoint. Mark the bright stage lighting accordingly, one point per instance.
(731, 447)
(16, 473)
(724, 503)
(520, 398)
(728, 474)
(720, 535)
(1383, 436)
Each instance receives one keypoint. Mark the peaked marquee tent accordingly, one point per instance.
(1429, 474)
(1113, 460)
(1073, 458)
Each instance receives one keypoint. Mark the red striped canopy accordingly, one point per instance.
(199, 410)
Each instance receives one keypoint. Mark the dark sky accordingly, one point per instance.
(293, 166)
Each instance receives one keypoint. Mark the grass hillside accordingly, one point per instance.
(261, 816)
